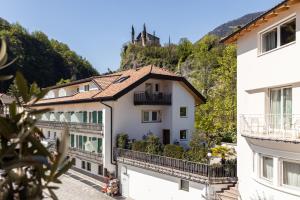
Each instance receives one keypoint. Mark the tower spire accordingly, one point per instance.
(132, 34)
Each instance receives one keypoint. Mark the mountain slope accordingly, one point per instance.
(42, 60)
(228, 27)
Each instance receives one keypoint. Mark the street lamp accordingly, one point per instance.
(208, 173)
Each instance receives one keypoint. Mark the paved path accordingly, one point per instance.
(79, 187)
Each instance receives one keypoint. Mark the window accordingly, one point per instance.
(82, 164)
(85, 116)
(120, 80)
(77, 89)
(100, 169)
(151, 116)
(88, 166)
(267, 168)
(184, 185)
(86, 87)
(94, 117)
(99, 145)
(288, 32)
(280, 35)
(291, 174)
(183, 134)
(269, 40)
(80, 141)
(148, 88)
(183, 112)
(49, 133)
(54, 134)
(281, 108)
(99, 117)
(156, 87)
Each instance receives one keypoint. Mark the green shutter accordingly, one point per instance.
(99, 145)
(72, 140)
(84, 141)
(77, 141)
(100, 117)
(84, 116)
(80, 141)
(95, 117)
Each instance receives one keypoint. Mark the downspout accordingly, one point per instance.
(111, 136)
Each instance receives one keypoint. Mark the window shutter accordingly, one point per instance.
(94, 116)
(100, 117)
(80, 141)
(84, 141)
(72, 140)
(85, 117)
(99, 145)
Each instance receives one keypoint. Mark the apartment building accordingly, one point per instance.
(268, 86)
(136, 102)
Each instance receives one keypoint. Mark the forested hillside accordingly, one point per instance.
(210, 66)
(42, 60)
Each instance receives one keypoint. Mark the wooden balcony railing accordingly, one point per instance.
(213, 172)
(143, 98)
(85, 154)
(73, 126)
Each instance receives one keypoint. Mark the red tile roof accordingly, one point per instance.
(110, 89)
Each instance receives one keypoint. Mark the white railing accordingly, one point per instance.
(73, 126)
(278, 127)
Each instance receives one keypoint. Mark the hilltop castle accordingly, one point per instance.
(144, 38)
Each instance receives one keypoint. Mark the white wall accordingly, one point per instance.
(144, 184)
(255, 74)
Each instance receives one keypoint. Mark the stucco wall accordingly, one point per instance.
(255, 75)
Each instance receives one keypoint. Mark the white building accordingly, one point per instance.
(136, 102)
(268, 104)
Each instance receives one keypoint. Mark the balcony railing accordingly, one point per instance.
(272, 127)
(73, 126)
(144, 98)
(162, 163)
(85, 154)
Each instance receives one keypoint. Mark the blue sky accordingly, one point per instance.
(97, 29)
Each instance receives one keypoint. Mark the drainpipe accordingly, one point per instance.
(111, 136)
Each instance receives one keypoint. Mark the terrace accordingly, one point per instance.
(198, 172)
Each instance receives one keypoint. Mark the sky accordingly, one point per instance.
(97, 29)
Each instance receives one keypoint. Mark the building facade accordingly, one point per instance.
(137, 102)
(268, 147)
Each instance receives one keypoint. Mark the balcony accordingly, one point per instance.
(73, 126)
(92, 156)
(198, 172)
(271, 127)
(143, 98)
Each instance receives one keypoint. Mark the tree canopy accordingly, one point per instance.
(40, 59)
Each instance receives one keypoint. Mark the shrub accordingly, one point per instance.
(153, 144)
(122, 141)
(173, 151)
(139, 146)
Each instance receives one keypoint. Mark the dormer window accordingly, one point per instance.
(278, 36)
(120, 80)
(86, 87)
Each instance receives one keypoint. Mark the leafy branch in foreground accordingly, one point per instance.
(27, 167)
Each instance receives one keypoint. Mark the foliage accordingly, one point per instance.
(198, 150)
(28, 167)
(122, 141)
(139, 146)
(174, 151)
(63, 81)
(222, 152)
(40, 59)
(153, 144)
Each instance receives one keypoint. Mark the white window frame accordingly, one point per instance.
(186, 111)
(261, 168)
(150, 116)
(270, 28)
(281, 174)
(186, 134)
